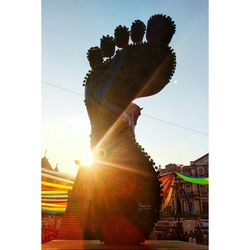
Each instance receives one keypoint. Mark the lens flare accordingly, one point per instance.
(88, 161)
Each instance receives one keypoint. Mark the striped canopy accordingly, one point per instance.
(55, 191)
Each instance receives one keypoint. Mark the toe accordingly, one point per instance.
(160, 29)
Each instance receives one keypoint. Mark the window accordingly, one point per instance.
(197, 207)
(201, 171)
(205, 208)
(194, 186)
(188, 188)
(203, 189)
(192, 171)
(184, 207)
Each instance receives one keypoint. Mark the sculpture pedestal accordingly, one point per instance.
(96, 245)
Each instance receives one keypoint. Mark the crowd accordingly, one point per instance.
(50, 227)
(49, 233)
(197, 237)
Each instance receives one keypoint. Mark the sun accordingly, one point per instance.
(88, 160)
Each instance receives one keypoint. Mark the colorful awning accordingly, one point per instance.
(55, 191)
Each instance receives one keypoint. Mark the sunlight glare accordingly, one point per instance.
(88, 160)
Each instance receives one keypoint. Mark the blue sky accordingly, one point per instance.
(70, 28)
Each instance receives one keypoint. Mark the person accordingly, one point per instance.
(180, 235)
(200, 239)
(159, 236)
(194, 240)
(195, 236)
(186, 236)
(190, 236)
(205, 237)
(169, 234)
(175, 236)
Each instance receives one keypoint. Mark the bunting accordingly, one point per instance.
(166, 187)
(196, 180)
(168, 196)
(165, 180)
(168, 179)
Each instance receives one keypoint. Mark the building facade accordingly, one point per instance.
(189, 200)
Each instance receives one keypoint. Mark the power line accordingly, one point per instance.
(149, 116)
(174, 124)
(55, 86)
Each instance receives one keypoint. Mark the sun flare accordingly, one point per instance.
(88, 160)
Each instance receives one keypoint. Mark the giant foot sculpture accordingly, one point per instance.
(127, 190)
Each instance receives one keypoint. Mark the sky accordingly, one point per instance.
(70, 28)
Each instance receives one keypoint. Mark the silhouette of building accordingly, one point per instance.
(45, 164)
